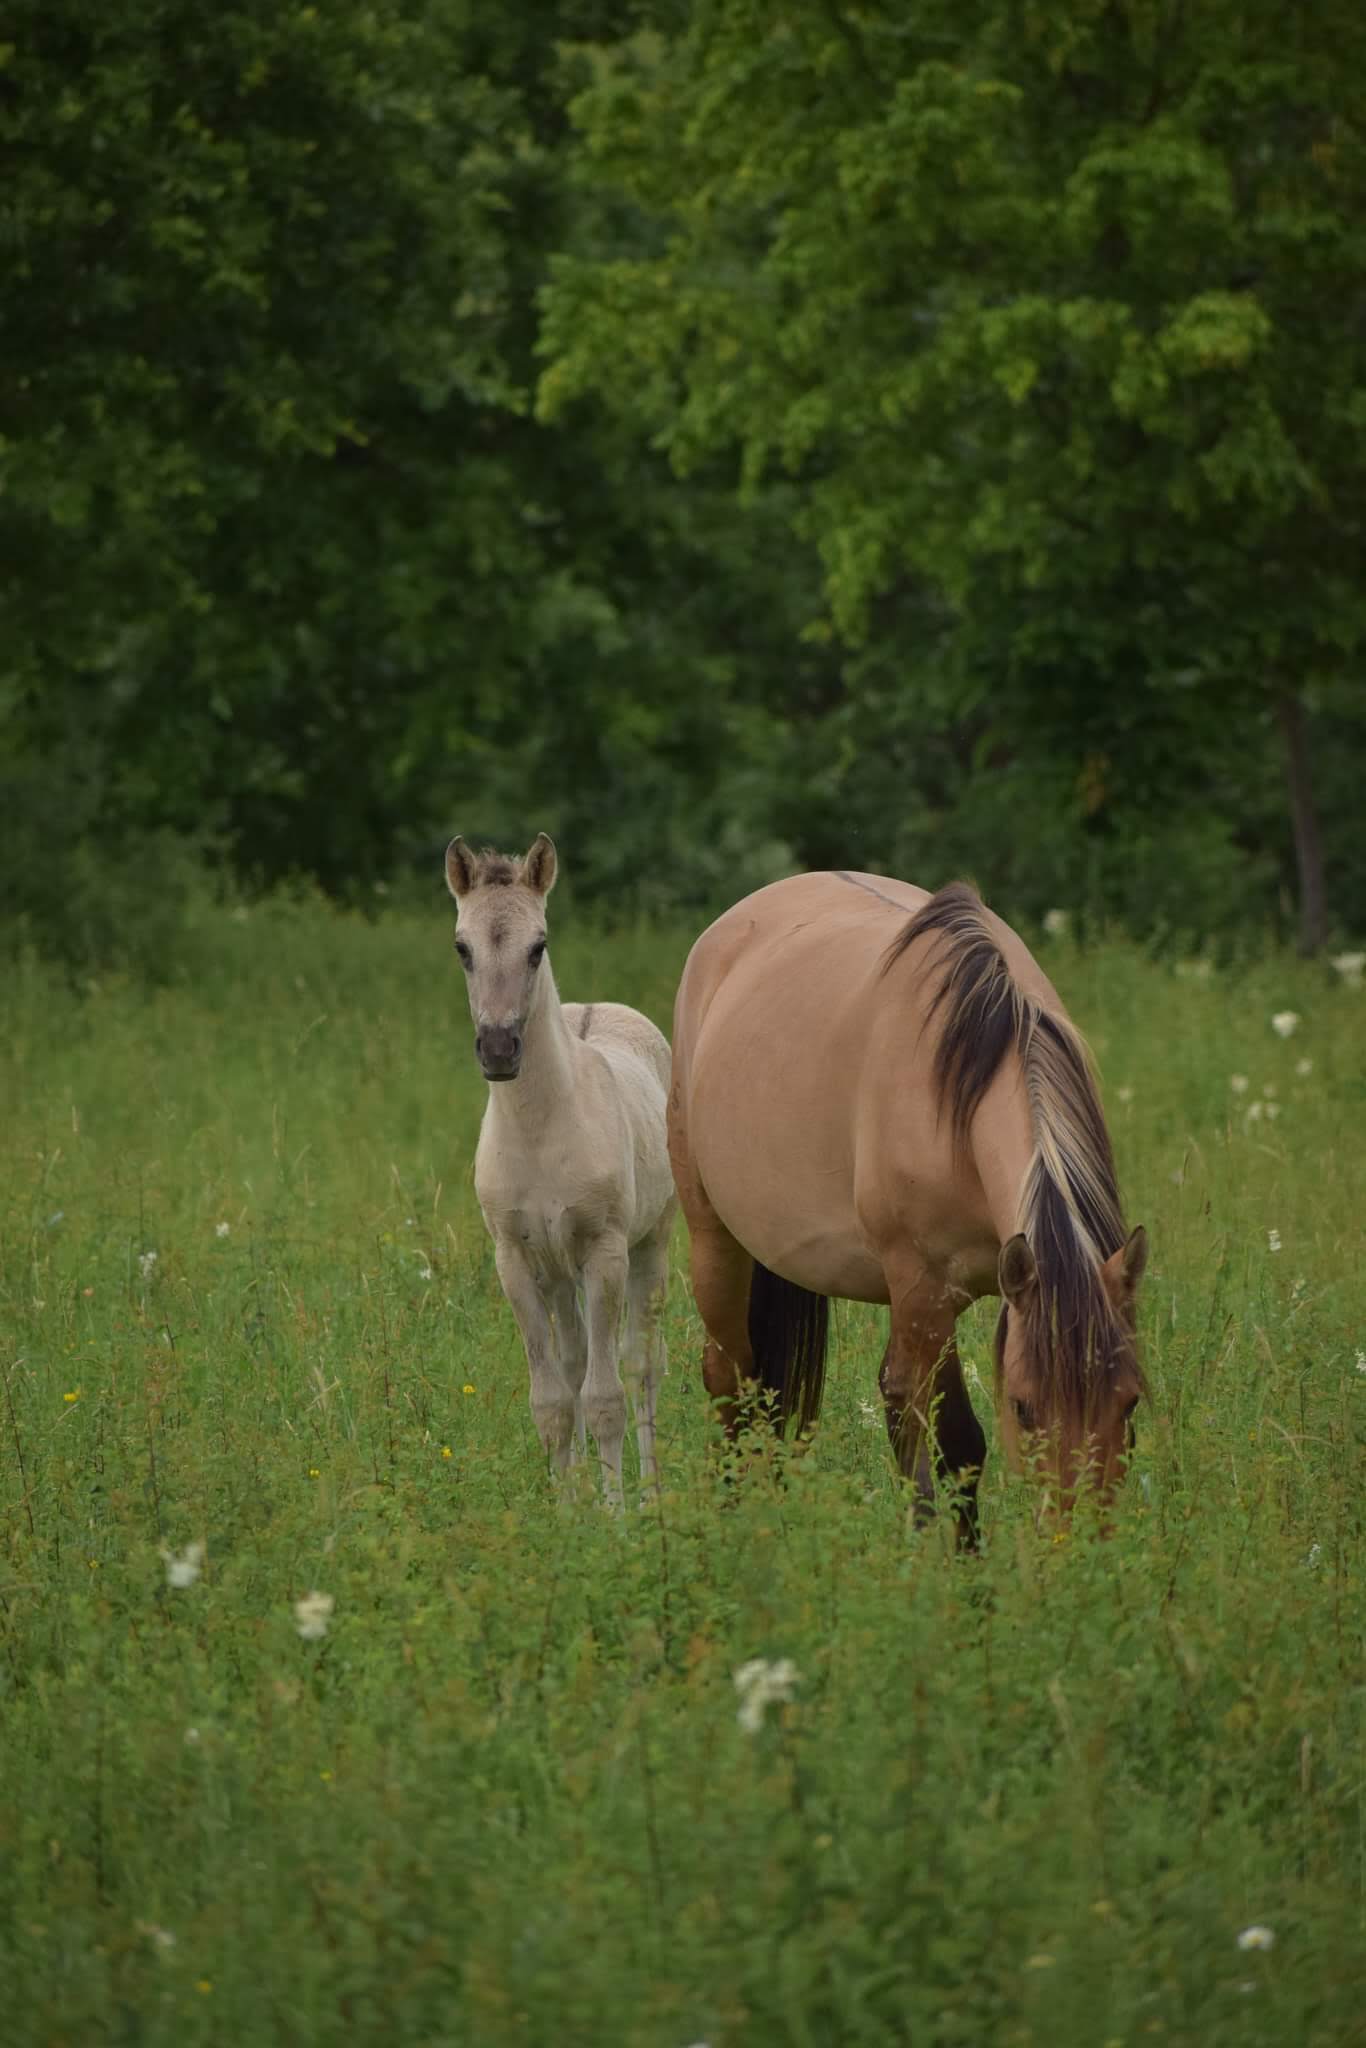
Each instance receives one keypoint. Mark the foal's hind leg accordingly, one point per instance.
(604, 1403)
(643, 1361)
(926, 1403)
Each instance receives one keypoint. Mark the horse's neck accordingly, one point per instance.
(1003, 1144)
(546, 1077)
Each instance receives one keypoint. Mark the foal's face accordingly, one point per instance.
(500, 940)
(1071, 1451)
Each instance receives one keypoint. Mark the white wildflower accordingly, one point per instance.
(1361, 1361)
(160, 1937)
(1350, 966)
(1125, 1094)
(1255, 1112)
(1256, 1937)
(872, 1415)
(146, 1263)
(1315, 1557)
(1304, 1067)
(759, 1683)
(1285, 1023)
(312, 1614)
(1057, 923)
(424, 1272)
(1273, 1110)
(222, 1229)
(1238, 1083)
(1273, 1240)
(183, 1566)
(192, 1738)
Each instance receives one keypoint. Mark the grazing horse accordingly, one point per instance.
(877, 1093)
(572, 1169)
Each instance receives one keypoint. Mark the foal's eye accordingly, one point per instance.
(536, 953)
(1024, 1414)
(464, 954)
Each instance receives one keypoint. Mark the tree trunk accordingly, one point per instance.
(1305, 822)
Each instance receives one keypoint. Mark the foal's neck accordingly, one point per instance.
(546, 1075)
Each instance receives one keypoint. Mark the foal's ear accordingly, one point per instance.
(1124, 1269)
(461, 864)
(539, 867)
(1016, 1271)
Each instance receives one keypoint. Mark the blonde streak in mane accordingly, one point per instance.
(1059, 1092)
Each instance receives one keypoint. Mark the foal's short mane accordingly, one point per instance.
(496, 868)
(1069, 1205)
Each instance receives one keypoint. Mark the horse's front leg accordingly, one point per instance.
(927, 1407)
(552, 1399)
(604, 1402)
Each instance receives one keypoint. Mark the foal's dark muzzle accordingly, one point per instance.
(498, 1049)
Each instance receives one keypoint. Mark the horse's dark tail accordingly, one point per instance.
(788, 1330)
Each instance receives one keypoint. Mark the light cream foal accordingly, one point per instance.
(572, 1169)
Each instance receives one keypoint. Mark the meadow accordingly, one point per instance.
(499, 1790)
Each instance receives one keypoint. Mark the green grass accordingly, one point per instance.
(1027, 1798)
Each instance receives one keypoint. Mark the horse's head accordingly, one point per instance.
(1067, 1371)
(500, 938)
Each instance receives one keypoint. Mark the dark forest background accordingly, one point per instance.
(731, 437)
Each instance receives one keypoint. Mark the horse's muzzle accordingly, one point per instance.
(498, 1049)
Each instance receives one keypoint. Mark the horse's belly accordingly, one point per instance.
(782, 1182)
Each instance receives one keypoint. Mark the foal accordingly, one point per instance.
(572, 1169)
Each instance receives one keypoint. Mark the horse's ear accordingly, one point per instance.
(461, 866)
(1124, 1269)
(540, 867)
(1016, 1271)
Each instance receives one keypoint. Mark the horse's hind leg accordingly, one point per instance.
(721, 1272)
(927, 1407)
(644, 1361)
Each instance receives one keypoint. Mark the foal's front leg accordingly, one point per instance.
(604, 1403)
(552, 1400)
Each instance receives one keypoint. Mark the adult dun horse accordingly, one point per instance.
(877, 1093)
(572, 1170)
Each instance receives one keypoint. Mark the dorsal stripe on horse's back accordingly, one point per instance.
(585, 1021)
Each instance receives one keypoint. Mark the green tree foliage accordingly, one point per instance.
(290, 570)
(1030, 336)
(1055, 316)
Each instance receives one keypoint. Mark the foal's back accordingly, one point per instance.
(615, 1029)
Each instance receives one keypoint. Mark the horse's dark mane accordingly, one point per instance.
(1069, 1207)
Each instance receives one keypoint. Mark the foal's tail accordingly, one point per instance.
(788, 1331)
